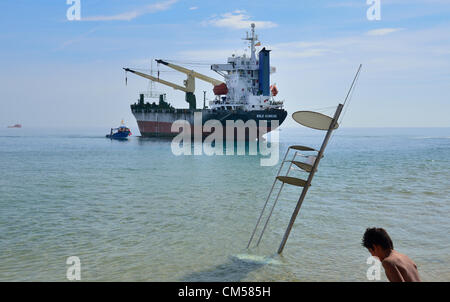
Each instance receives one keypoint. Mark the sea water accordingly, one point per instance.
(133, 211)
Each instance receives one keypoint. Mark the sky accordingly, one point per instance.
(61, 73)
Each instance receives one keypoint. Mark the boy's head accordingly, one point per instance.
(377, 241)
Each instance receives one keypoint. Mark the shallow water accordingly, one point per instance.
(132, 211)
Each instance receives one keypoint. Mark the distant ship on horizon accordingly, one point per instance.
(15, 126)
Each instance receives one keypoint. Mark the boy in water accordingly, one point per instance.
(398, 267)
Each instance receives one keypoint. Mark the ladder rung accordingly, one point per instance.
(303, 148)
(304, 166)
(292, 181)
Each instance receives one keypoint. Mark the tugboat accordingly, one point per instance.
(122, 132)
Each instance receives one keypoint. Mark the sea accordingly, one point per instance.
(134, 211)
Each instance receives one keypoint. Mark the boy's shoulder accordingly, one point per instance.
(400, 264)
(390, 262)
(397, 259)
(395, 256)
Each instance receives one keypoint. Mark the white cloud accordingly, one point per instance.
(286, 50)
(237, 20)
(382, 31)
(193, 8)
(347, 4)
(130, 15)
(294, 52)
(208, 55)
(77, 39)
(303, 53)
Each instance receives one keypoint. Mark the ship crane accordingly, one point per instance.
(191, 73)
(189, 83)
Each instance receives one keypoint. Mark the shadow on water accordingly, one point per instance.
(235, 269)
(232, 147)
(144, 141)
(154, 139)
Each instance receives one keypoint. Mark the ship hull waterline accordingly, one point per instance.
(158, 123)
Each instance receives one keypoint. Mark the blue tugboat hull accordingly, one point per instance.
(119, 135)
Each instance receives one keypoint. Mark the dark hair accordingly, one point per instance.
(377, 236)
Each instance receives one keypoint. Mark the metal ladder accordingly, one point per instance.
(307, 167)
(312, 120)
(283, 179)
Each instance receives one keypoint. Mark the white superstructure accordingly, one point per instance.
(244, 77)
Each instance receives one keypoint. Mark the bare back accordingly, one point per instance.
(400, 268)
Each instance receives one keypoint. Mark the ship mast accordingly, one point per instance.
(252, 40)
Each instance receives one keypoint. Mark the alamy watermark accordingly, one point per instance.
(74, 11)
(374, 11)
(73, 272)
(235, 137)
(374, 270)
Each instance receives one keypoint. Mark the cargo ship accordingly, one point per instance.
(244, 95)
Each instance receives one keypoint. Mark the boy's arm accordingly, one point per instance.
(392, 272)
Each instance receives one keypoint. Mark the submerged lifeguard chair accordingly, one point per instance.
(312, 120)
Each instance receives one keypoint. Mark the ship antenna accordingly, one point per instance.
(252, 40)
